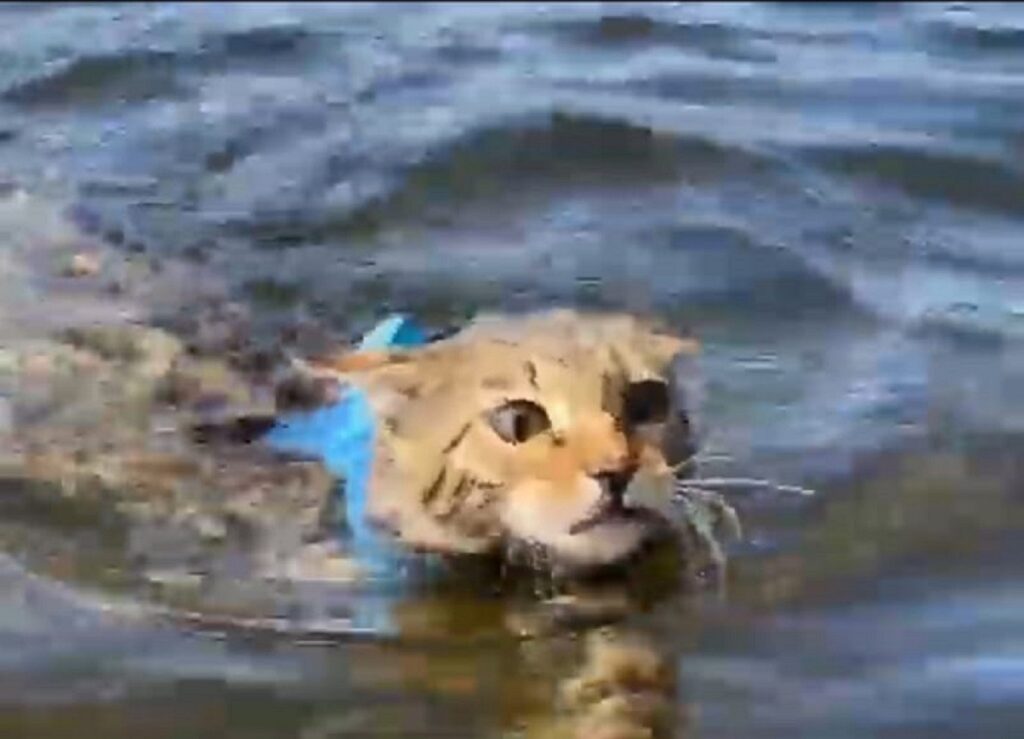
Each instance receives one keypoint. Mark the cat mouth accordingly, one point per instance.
(607, 514)
(611, 507)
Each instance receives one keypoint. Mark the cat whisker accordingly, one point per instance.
(708, 483)
(712, 457)
(675, 469)
(693, 459)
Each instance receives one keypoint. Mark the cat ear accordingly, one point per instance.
(666, 347)
(657, 353)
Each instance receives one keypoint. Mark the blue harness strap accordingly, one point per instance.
(342, 434)
(393, 331)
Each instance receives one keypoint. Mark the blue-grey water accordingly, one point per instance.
(830, 195)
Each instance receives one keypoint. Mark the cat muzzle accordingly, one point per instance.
(611, 504)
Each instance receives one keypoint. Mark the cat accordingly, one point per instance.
(536, 429)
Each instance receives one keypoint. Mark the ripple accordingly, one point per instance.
(971, 40)
(89, 80)
(264, 41)
(732, 268)
(942, 176)
(524, 158)
(996, 266)
(133, 75)
(631, 30)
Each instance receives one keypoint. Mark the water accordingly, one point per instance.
(830, 196)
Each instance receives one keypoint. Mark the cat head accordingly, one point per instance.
(532, 429)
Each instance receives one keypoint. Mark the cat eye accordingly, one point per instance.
(646, 402)
(519, 420)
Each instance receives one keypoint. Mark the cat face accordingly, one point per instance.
(533, 429)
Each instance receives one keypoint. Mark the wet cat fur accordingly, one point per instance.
(530, 429)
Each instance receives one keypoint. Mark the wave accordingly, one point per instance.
(141, 74)
(528, 157)
(940, 176)
(730, 267)
(972, 40)
(628, 30)
(262, 41)
(991, 265)
(124, 76)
